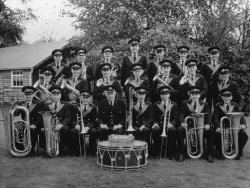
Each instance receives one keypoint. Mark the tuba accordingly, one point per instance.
(17, 133)
(130, 115)
(229, 125)
(52, 136)
(194, 135)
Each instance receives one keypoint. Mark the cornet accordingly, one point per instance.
(229, 125)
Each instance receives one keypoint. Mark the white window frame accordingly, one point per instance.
(12, 78)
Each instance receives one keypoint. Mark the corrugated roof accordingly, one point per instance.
(27, 56)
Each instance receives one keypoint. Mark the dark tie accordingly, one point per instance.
(74, 80)
(46, 85)
(137, 80)
(57, 65)
(140, 107)
(84, 109)
(159, 60)
(134, 57)
(164, 106)
(55, 106)
(195, 106)
(107, 81)
(214, 63)
(28, 105)
(110, 103)
(227, 107)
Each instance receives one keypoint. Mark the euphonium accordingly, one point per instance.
(229, 126)
(17, 133)
(52, 135)
(194, 135)
(130, 115)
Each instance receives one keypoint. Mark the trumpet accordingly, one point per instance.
(52, 135)
(194, 135)
(229, 125)
(129, 81)
(17, 133)
(130, 115)
(43, 95)
(60, 79)
(162, 81)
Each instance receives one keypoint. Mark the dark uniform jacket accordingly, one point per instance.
(112, 115)
(62, 70)
(143, 117)
(127, 61)
(187, 109)
(159, 112)
(177, 69)
(98, 71)
(152, 71)
(142, 81)
(63, 112)
(89, 76)
(220, 111)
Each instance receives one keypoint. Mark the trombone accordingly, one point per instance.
(130, 115)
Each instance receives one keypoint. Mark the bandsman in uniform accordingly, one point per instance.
(164, 77)
(190, 79)
(34, 107)
(220, 110)
(47, 79)
(111, 114)
(127, 61)
(142, 115)
(107, 52)
(192, 106)
(88, 113)
(107, 79)
(62, 110)
(87, 71)
(210, 72)
(60, 68)
(179, 68)
(168, 109)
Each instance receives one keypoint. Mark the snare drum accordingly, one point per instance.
(133, 157)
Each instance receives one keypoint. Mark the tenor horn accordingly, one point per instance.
(17, 133)
(43, 95)
(229, 125)
(194, 135)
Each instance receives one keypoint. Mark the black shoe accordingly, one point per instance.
(179, 158)
(157, 156)
(237, 158)
(210, 158)
(171, 157)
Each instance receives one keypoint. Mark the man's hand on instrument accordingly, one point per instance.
(119, 126)
(242, 126)
(59, 126)
(115, 127)
(218, 130)
(142, 127)
(78, 127)
(155, 125)
(32, 126)
(104, 126)
(169, 125)
(207, 127)
(184, 125)
(86, 129)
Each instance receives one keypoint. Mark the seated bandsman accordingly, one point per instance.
(165, 78)
(142, 115)
(190, 79)
(165, 108)
(75, 82)
(62, 111)
(87, 70)
(107, 52)
(220, 110)
(34, 107)
(60, 68)
(193, 106)
(88, 113)
(106, 79)
(111, 114)
(137, 80)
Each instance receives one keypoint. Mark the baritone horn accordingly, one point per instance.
(194, 135)
(17, 133)
(52, 135)
(229, 126)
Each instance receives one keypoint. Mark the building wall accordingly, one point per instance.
(7, 91)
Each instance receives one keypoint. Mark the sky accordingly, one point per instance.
(48, 21)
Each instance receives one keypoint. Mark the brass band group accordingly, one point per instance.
(173, 106)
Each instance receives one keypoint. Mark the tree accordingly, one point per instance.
(11, 24)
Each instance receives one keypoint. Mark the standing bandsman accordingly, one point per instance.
(154, 66)
(111, 114)
(76, 82)
(106, 79)
(142, 115)
(192, 106)
(107, 52)
(62, 111)
(88, 113)
(34, 108)
(190, 79)
(165, 78)
(220, 110)
(168, 109)
(58, 66)
(179, 68)
(210, 72)
(87, 71)
(127, 61)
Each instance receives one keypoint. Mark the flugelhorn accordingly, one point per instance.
(194, 135)
(17, 133)
(229, 125)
